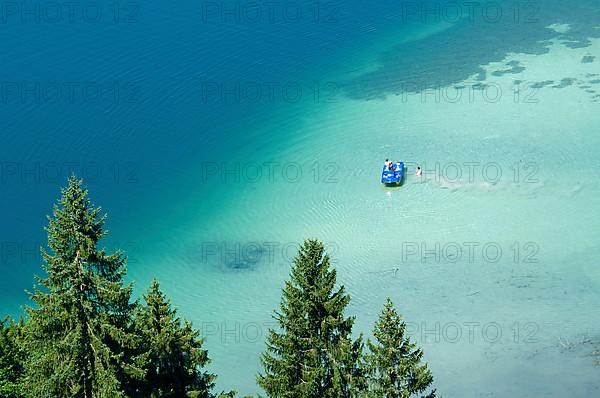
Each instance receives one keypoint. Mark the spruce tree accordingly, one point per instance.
(312, 354)
(79, 336)
(175, 353)
(394, 363)
(11, 358)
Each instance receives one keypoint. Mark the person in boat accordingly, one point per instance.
(418, 172)
(387, 164)
(392, 166)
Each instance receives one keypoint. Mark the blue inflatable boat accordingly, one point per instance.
(394, 175)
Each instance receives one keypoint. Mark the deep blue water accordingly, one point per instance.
(153, 118)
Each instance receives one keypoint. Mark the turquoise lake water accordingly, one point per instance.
(491, 256)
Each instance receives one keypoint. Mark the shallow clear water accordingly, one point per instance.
(513, 317)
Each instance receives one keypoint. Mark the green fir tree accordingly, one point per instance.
(79, 336)
(312, 354)
(175, 355)
(11, 358)
(394, 364)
